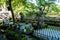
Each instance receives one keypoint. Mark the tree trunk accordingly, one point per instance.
(48, 8)
(9, 2)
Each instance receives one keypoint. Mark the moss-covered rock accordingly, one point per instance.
(44, 26)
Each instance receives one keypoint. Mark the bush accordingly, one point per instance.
(1, 24)
(44, 26)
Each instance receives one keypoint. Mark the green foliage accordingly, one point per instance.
(1, 24)
(29, 8)
(2, 1)
(24, 38)
(23, 6)
(54, 8)
(48, 5)
(12, 34)
(40, 2)
(45, 26)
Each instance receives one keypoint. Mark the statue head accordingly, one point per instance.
(40, 8)
(21, 13)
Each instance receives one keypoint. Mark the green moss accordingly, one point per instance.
(24, 38)
(45, 26)
(1, 25)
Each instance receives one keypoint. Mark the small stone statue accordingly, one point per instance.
(21, 16)
(40, 16)
(6, 21)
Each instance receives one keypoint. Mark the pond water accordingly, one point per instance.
(48, 34)
(1, 37)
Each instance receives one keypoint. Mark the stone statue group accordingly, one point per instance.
(39, 15)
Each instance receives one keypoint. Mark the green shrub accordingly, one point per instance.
(1, 25)
(24, 38)
(44, 26)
